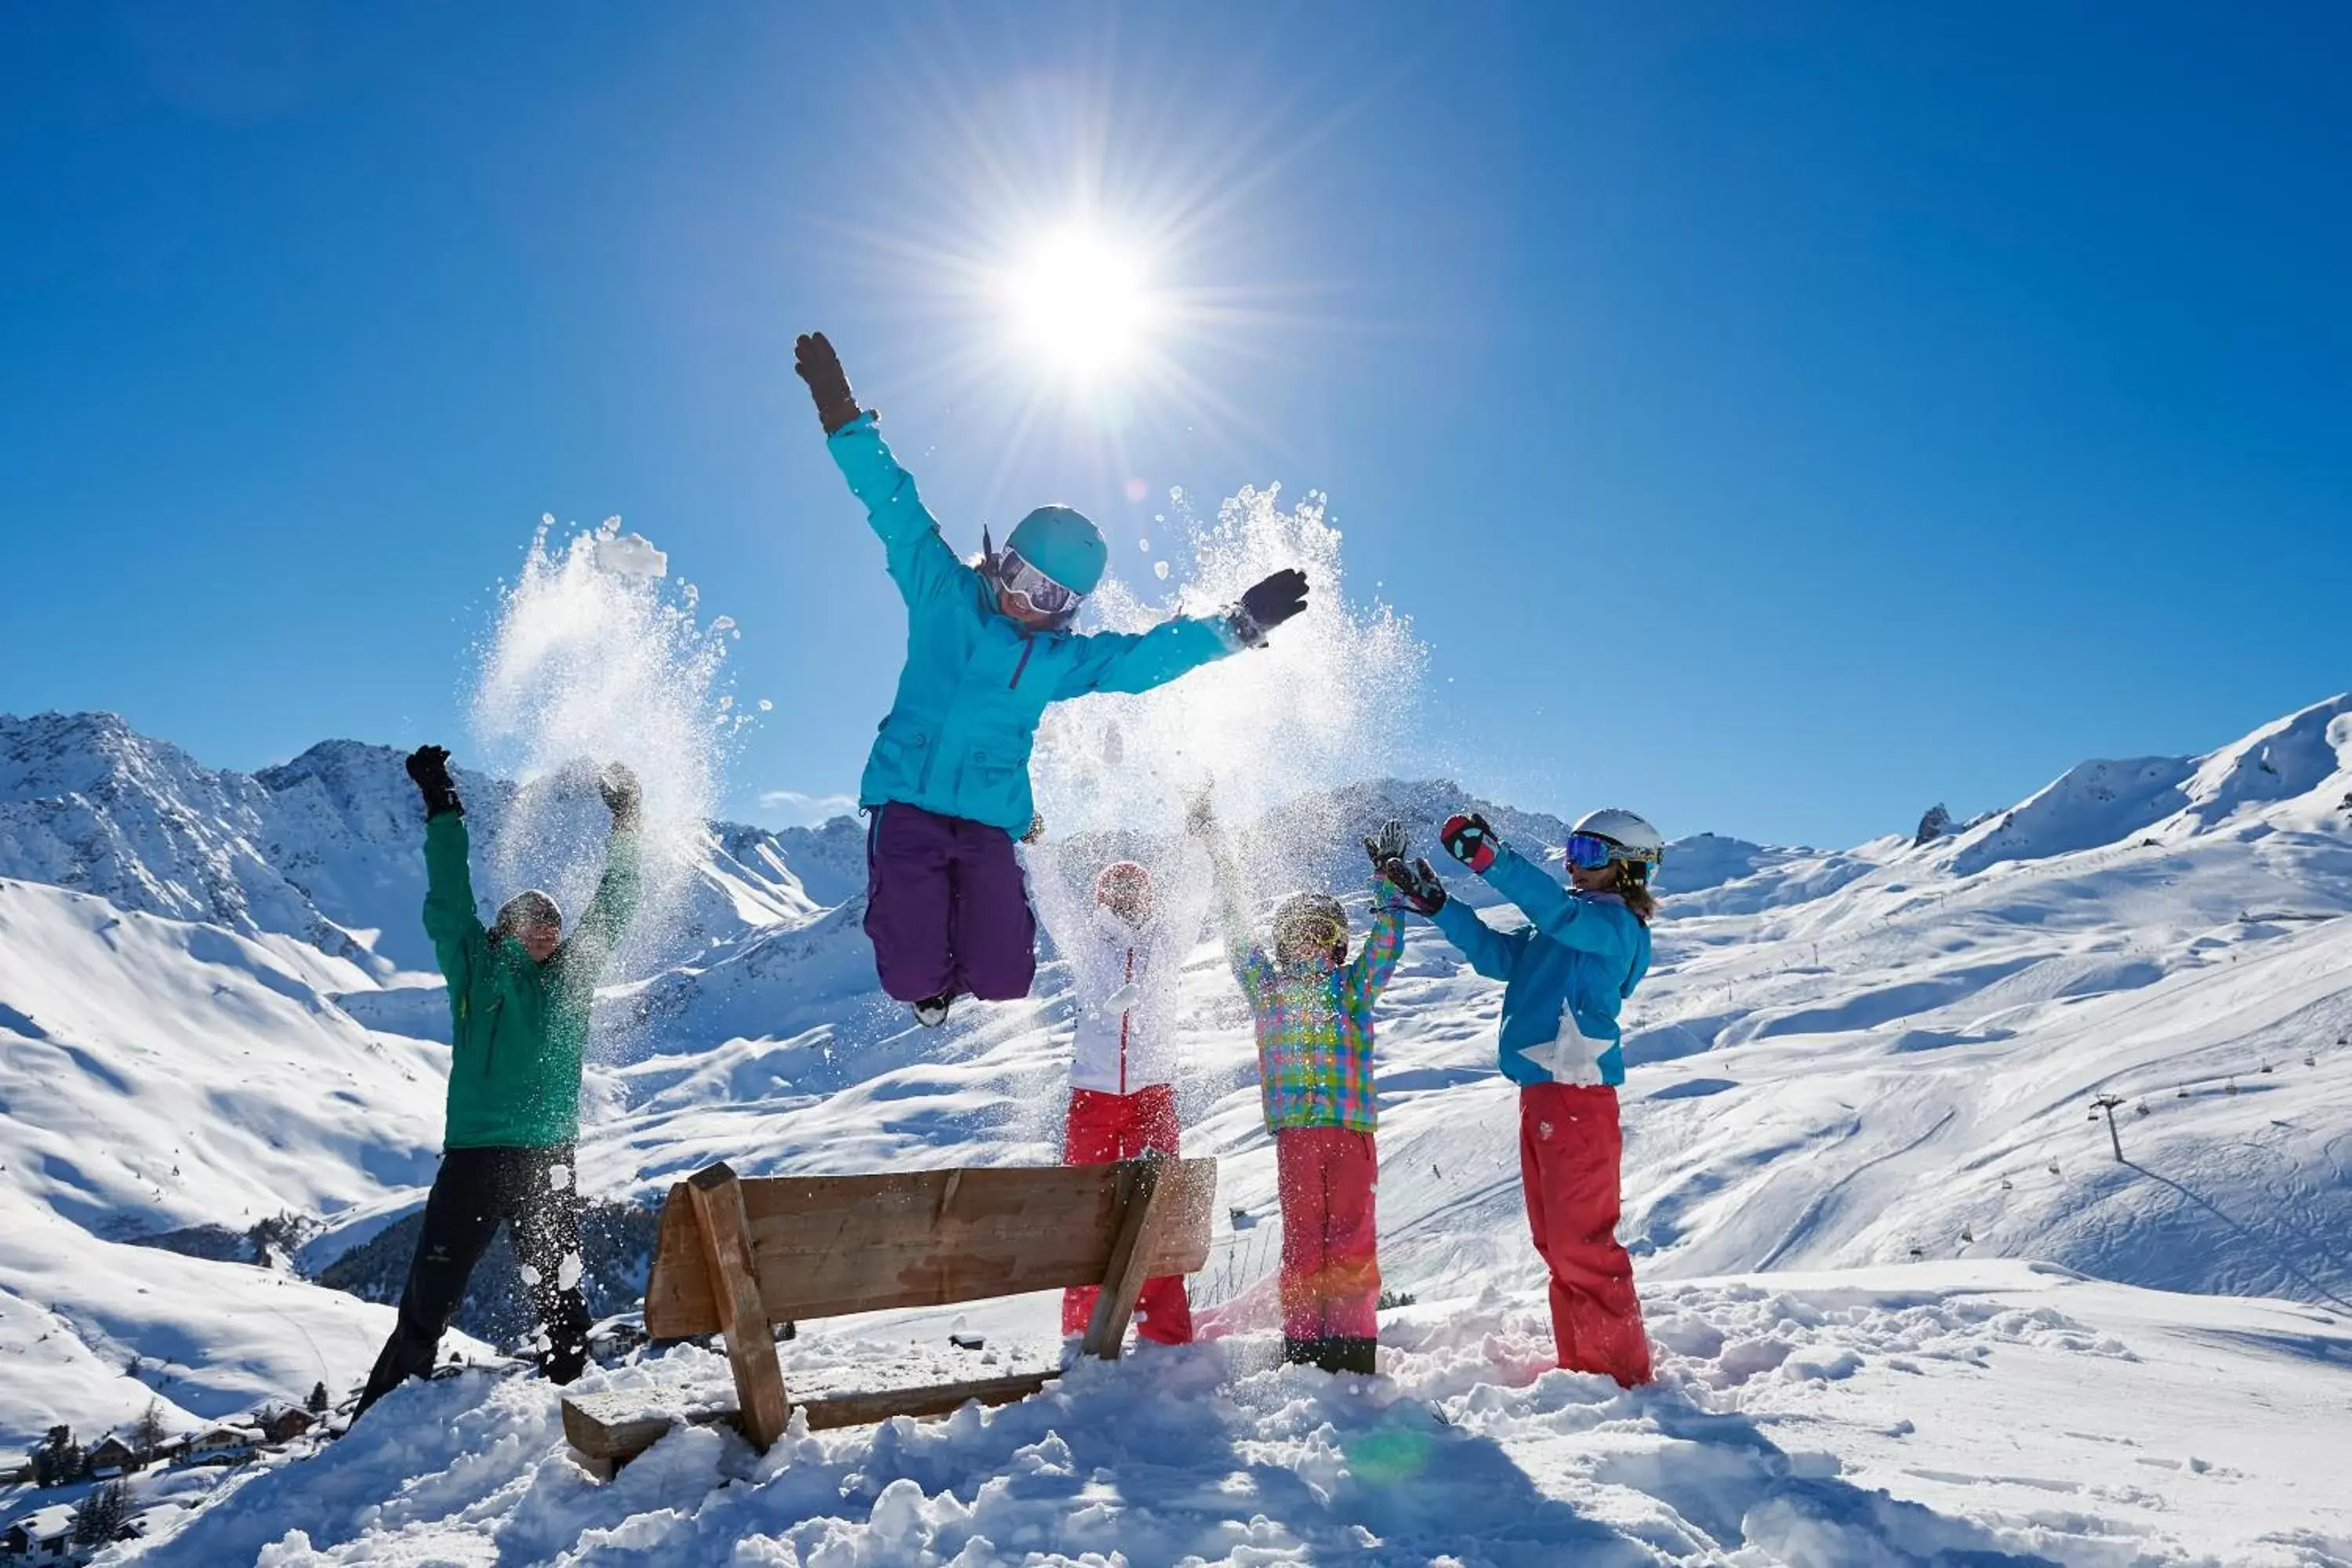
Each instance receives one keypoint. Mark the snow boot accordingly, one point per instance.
(1349, 1354)
(932, 1011)
(1303, 1353)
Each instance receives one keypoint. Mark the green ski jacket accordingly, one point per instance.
(516, 1029)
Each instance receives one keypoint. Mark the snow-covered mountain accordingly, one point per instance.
(1856, 1060)
(323, 848)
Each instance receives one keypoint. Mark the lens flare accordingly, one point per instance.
(1080, 302)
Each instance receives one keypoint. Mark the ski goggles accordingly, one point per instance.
(1589, 852)
(1023, 582)
(1315, 930)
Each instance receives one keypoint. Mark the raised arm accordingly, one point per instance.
(1368, 975)
(1558, 914)
(1490, 952)
(1251, 966)
(450, 923)
(1065, 919)
(919, 560)
(621, 887)
(1138, 661)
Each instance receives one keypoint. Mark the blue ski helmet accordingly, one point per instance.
(1064, 545)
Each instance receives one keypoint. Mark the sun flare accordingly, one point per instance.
(1079, 302)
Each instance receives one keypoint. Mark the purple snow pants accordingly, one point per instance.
(946, 907)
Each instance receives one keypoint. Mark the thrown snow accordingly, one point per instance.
(1318, 707)
(631, 555)
(596, 658)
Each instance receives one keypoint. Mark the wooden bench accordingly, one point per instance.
(736, 1255)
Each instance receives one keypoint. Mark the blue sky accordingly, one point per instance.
(1775, 418)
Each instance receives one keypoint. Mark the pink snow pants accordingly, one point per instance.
(1107, 1127)
(1569, 1146)
(1330, 1264)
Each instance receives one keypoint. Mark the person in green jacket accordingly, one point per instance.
(520, 997)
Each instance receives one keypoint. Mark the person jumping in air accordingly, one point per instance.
(1564, 979)
(1314, 1014)
(988, 647)
(1126, 949)
(520, 995)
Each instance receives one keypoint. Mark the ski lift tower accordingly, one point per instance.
(2110, 1103)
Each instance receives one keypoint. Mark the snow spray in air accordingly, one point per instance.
(599, 655)
(1278, 730)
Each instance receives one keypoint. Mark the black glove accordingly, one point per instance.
(1470, 840)
(622, 794)
(828, 383)
(1422, 892)
(1268, 604)
(1387, 844)
(429, 767)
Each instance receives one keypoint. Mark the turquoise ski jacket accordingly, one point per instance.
(1581, 959)
(976, 683)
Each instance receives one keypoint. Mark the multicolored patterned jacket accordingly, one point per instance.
(1314, 1024)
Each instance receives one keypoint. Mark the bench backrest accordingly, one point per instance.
(824, 1246)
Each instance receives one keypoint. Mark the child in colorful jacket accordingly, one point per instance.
(1564, 978)
(1126, 947)
(947, 784)
(1314, 1014)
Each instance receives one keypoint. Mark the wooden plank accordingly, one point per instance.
(967, 1250)
(607, 1430)
(937, 1399)
(826, 1246)
(617, 1427)
(1123, 1276)
(718, 1199)
(679, 1302)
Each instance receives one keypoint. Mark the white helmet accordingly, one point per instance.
(1638, 841)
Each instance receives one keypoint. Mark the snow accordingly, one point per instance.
(1981, 1413)
(1908, 1307)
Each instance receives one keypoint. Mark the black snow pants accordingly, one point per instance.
(535, 1191)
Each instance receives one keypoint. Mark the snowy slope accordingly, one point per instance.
(156, 1075)
(1844, 1060)
(1977, 1414)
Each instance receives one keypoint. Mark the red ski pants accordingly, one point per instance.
(1106, 1127)
(1569, 1145)
(1330, 1264)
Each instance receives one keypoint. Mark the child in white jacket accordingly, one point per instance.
(1126, 947)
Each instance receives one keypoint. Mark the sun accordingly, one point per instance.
(1079, 303)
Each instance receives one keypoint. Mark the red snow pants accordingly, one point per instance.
(1330, 1267)
(1107, 1127)
(1569, 1145)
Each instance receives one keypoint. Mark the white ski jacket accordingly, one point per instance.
(1126, 978)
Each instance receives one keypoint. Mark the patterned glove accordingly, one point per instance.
(1416, 884)
(1469, 839)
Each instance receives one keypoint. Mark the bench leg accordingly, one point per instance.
(1139, 1184)
(725, 1230)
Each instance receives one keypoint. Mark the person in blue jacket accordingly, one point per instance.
(988, 646)
(1565, 974)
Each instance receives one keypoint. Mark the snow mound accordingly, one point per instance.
(1990, 1415)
